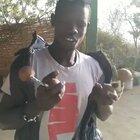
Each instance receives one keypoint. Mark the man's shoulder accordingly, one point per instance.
(42, 55)
(104, 63)
(88, 59)
(41, 51)
(84, 56)
(98, 60)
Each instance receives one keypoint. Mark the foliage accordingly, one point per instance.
(115, 20)
(130, 61)
(19, 11)
(137, 66)
(136, 2)
(123, 15)
(115, 47)
(109, 41)
(134, 22)
(120, 52)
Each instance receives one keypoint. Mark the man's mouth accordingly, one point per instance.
(71, 39)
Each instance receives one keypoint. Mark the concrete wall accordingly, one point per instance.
(15, 37)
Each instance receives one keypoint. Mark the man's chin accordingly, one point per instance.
(69, 47)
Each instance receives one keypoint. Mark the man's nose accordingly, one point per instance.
(73, 29)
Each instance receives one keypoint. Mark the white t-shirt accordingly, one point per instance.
(61, 121)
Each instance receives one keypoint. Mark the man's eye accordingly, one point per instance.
(63, 22)
(82, 24)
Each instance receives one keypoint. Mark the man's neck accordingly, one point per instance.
(63, 56)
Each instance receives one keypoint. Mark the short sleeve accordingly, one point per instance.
(6, 86)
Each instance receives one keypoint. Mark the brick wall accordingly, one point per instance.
(15, 37)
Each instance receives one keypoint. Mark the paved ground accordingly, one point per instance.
(124, 124)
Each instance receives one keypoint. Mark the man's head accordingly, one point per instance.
(70, 22)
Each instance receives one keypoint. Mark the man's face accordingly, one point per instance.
(70, 26)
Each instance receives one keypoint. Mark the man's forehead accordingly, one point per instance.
(70, 6)
(84, 1)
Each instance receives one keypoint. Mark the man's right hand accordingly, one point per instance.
(49, 96)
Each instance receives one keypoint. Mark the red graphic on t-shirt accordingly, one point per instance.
(63, 117)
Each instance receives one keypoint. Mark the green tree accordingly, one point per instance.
(115, 46)
(123, 15)
(115, 20)
(136, 3)
(134, 22)
(18, 11)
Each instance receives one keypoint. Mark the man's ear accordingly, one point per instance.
(53, 19)
(88, 23)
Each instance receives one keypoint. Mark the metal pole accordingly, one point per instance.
(91, 40)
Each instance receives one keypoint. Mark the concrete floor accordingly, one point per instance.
(124, 124)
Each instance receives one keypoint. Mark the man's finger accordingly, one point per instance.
(56, 89)
(41, 90)
(50, 76)
(97, 88)
(113, 96)
(108, 87)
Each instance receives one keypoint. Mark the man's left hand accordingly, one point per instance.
(104, 94)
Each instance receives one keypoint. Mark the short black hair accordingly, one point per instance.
(61, 4)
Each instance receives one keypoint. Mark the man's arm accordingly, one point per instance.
(13, 108)
(11, 115)
(104, 111)
(104, 96)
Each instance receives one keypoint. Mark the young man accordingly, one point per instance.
(55, 64)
